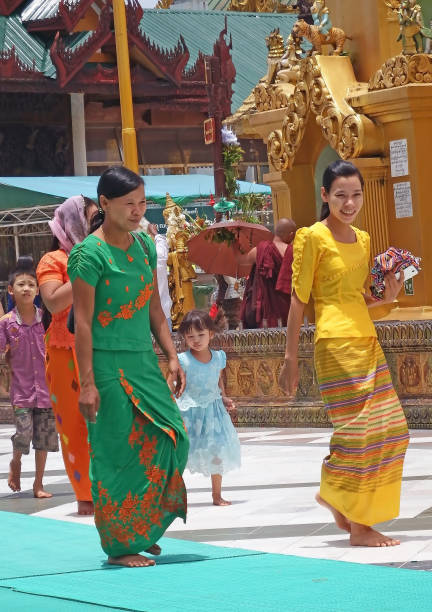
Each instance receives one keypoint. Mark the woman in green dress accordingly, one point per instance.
(138, 443)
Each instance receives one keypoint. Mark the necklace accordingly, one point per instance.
(130, 239)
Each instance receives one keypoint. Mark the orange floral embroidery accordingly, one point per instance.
(148, 450)
(104, 318)
(126, 311)
(155, 474)
(141, 527)
(130, 258)
(128, 508)
(107, 282)
(150, 497)
(155, 516)
(144, 296)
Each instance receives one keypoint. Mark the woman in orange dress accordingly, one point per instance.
(69, 227)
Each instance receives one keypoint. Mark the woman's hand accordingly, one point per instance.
(392, 287)
(176, 377)
(228, 403)
(89, 401)
(289, 377)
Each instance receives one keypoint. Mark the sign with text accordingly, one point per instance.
(403, 200)
(399, 157)
(209, 131)
(409, 286)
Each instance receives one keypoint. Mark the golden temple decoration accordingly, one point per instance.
(164, 4)
(317, 84)
(415, 36)
(401, 70)
(322, 32)
(260, 6)
(181, 271)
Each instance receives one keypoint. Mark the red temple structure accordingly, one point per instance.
(59, 102)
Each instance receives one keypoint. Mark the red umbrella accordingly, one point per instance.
(213, 249)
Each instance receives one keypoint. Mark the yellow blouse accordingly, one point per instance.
(334, 273)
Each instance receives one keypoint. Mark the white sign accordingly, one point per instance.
(399, 157)
(403, 200)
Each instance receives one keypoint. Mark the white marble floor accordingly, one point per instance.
(273, 507)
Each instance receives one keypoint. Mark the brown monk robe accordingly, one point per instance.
(267, 295)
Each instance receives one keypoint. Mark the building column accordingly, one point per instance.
(293, 194)
(78, 134)
(374, 217)
(405, 112)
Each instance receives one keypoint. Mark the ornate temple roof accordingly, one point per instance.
(247, 30)
(53, 14)
(25, 50)
(170, 43)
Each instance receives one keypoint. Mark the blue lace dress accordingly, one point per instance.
(214, 444)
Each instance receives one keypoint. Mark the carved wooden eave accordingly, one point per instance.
(66, 17)
(319, 86)
(8, 6)
(69, 62)
(403, 70)
(165, 64)
(12, 67)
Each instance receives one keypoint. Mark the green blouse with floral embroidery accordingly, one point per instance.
(123, 282)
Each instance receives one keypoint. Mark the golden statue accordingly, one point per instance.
(415, 36)
(322, 32)
(181, 271)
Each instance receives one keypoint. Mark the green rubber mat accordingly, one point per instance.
(191, 577)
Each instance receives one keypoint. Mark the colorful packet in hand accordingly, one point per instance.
(393, 260)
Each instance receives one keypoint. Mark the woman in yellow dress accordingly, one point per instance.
(361, 477)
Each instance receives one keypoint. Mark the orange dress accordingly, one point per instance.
(63, 382)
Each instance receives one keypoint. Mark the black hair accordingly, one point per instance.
(336, 170)
(24, 265)
(197, 319)
(115, 182)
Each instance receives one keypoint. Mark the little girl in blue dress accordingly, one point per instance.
(214, 444)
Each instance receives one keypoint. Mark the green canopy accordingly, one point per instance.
(27, 192)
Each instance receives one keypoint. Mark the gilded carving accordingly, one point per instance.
(255, 357)
(401, 70)
(298, 85)
(245, 378)
(409, 372)
(265, 378)
(306, 378)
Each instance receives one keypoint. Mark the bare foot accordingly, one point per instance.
(218, 501)
(341, 521)
(131, 561)
(362, 535)
(155, 549)
(14, 479)
(85, 508)
(40, 493)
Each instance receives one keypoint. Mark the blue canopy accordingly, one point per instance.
(26, 192)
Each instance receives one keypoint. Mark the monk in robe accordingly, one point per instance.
(267, 295)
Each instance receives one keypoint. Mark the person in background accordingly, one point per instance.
(267, 295)
(69, 227)
(162, 251)
(22, 332)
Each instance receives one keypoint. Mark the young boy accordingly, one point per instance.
(22, 334)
